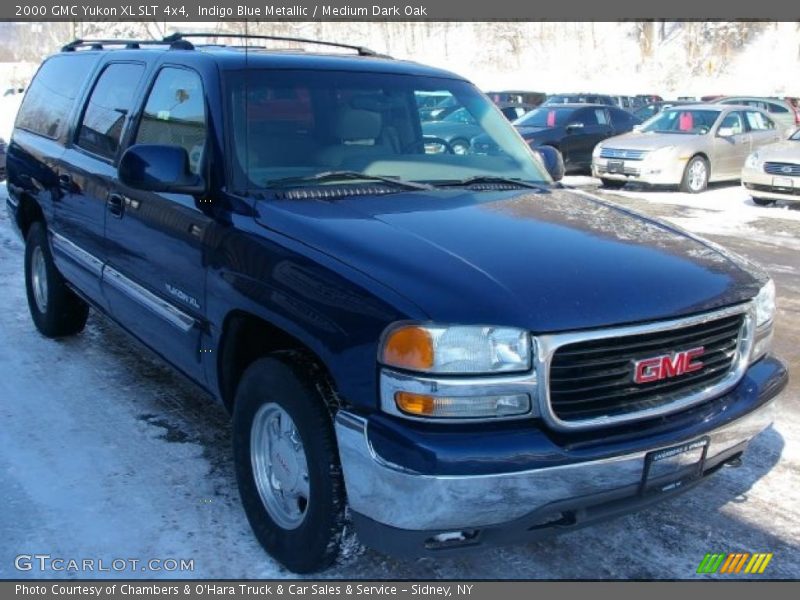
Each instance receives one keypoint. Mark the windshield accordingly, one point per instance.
(545, 117)
(686, 121)
(292, 124)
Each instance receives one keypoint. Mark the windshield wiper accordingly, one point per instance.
(492, 179)
(328, 176)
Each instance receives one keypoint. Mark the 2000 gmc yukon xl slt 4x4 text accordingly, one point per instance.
(455, 347)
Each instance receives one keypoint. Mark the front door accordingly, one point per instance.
(155, 277)
(731, 147)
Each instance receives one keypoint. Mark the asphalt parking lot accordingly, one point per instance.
(105, 452)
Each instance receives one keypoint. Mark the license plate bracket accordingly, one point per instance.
(782, 182)
(615, 166)
(670, 468)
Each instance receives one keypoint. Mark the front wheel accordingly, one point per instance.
(612, 184)
(695, 176)
(459, 146)
(56, 310)
(287, 463)
(763, 201)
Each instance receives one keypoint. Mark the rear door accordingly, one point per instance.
(155, 277)
(88, 170)
(763, 130)
(730, 151)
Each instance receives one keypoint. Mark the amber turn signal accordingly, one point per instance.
(408, 348)
(415, 404)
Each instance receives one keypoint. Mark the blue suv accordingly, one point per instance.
(444, 349)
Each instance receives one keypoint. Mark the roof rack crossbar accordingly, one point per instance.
(361, 50)
(99, 44)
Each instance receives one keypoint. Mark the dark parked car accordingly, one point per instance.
(604, 99)
(438, 351)
(513, 111)
(573, 129)
(649, 98)
(457, 129)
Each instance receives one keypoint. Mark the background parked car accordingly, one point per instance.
(687, 146)
(648, 110)
(440, 109)
(649, 98)
(773, 172)
(2, 159)
(517, 97)
(457, 129)
(513, 111)
(783, 112)
(604, 99)
(573, 129)
(629, 103)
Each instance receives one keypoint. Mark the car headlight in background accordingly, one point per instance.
(753, 161)
(765, 313)
(596, 151)
(659, 153)
(457, 372)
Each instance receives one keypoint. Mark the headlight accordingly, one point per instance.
(765, 313)
(596, 151)
(457, 349)
(753, 161)
(659, 153)
(765, 304)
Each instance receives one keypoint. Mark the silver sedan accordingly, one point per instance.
(773, 172)
(688, 146)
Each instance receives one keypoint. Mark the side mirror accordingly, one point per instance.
(157, 168)
(553, 161)
(573, 127)
(725, 132)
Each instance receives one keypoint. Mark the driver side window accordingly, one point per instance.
(733, 122)
(175, 114)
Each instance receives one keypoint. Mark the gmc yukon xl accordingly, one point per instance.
(445, 349)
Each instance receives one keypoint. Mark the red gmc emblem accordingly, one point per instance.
(668, 365)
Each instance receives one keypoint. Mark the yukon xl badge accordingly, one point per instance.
(181, 295)
(667, 365)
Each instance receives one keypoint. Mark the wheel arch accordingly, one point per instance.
(245, 338)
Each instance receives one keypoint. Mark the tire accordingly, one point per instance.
(301, 529)
(56, 310)
(695, 176)
(612, 184)
(460, 146)
(763, 201)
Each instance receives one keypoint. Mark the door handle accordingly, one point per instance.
(116, 205)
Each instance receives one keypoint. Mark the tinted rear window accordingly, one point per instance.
(52, 94)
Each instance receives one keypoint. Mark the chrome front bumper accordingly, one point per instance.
(403, 499)
(662, 172)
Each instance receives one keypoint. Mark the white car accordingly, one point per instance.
(773, 172)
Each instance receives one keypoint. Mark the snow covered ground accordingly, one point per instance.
(105, 453)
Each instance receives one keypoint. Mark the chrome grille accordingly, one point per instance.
(621, 153)
(591, 381)
(781, 168)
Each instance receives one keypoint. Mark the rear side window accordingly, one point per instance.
(112, 99)
(52, 94)
(777, 108)
(175, 114)
(758, 122)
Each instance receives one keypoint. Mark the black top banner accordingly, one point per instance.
(178, 11)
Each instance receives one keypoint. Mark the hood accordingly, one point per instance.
(546, 261)
(651, 141)
(785, 151)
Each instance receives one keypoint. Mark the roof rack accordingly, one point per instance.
(100, 44)
(178, 37)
